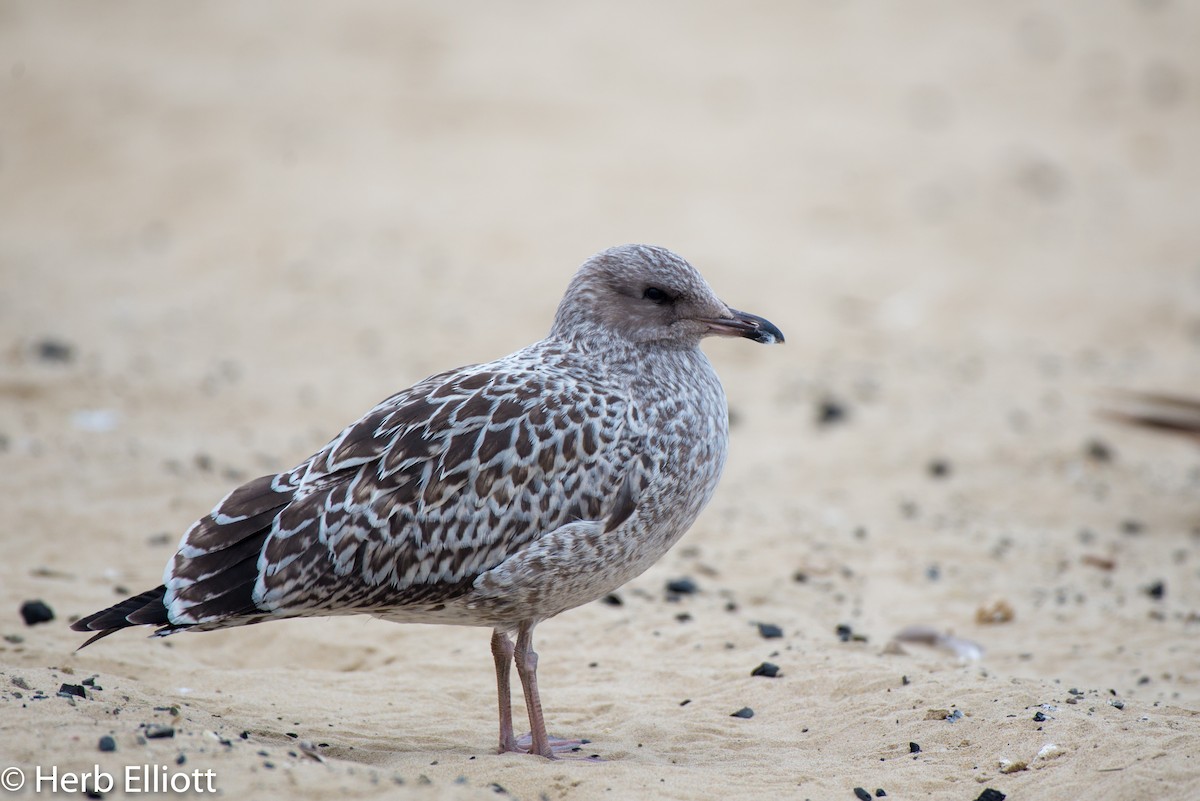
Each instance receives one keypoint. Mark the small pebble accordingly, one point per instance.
(72, 691)
(612, 599)
(1039, 717)
(939, 468)
(107, 743)
(991, 795)
(682, 586)
(1156, 590)
(53, 350)
(744, 712)
(829, 412)
(846, 634)
(156, 731)
(862, 794)
(913, 748)
(769, 631)
(880, 792)
(1098, 451)
(766, 669)
(34, 612)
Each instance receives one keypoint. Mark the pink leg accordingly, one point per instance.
(539, 742)
(527, 660)
(502, 652)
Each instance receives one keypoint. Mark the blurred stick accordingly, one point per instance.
(1172, 414)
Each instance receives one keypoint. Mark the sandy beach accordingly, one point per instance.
(228, 230)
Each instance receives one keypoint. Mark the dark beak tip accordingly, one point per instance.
(768, 333)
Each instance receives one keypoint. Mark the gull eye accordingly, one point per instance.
(656, 295)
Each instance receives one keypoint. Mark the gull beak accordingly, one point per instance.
(744, 324)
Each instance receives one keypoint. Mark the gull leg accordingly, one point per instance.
(537, 741)
(527, 659)
(502, 652)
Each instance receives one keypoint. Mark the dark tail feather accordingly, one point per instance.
(140, 610)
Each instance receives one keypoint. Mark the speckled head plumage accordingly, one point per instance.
(647, 294)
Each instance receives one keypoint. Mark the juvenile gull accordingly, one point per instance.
(497, 494)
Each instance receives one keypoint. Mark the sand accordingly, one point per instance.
(248, 223)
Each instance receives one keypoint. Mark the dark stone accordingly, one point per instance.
(1156, 590)
(54, 350)
(34, 612)
(158, 731)
(72, 690)
(1098, 451)
(766, 669)
(991, 795)
(830, 411)
(744, 712)
(769, 631)
(939, 468)
(107, 744)
(913, 748)
(862, 794)
(612, 599)
(880, 792)
(682, 586)
(1039, 717)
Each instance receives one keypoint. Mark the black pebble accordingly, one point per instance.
(991, 795)
(1156, 590)
(913, 748)
(744, 712)
(862, 794)
(35, 612)
(880, 792)
(829, 412)
(682, 586)
(1039, 717)
(181, 759)
(157, 731)
(766, 669)
(69, 690)
(1099, 451)
(769, 631)
(54, 350)
(939, 468)
(107, 744)
(612, 599)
